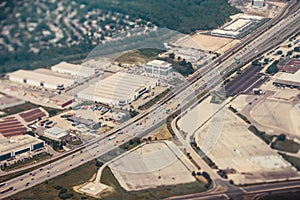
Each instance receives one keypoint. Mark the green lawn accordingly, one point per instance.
(286, 145)
(262, 135)
(293, 160)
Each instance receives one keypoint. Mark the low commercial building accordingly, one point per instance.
(9, 101)
(40, 78)
(74, 70)
(288, 80)
(17, 145)
(62, 100)
(118, 89)
(56, 133)
(189, 54)
(158, 68)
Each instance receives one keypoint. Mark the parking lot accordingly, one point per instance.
(245, 82)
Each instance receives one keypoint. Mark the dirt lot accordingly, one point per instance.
(208, 43)
(190, 122)
(152, 165)
(281, 115)
(239, 149)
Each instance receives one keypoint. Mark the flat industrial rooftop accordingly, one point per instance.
(119, 86)
(17, 143)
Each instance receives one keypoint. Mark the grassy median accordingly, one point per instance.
(61, 186)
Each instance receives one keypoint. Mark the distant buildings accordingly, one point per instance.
(238, 27)
(44, 79)
(258, 3)
(61, 76)
(73, 70)
(158, 68)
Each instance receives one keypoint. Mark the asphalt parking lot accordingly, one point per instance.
(245, 82)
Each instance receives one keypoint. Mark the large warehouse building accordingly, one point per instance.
(238, 27)
(17, 145)
(118, 89)
(41, 78)
(158, 68)
(74, 70)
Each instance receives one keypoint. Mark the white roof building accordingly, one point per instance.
(288, 79)
(118, 89)
(72, 69)
(158, 68)
(39, 79)
(238, 27)
(258, 3)
(55, 133)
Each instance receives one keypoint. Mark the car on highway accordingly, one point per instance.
(3, 184)
(6, 190)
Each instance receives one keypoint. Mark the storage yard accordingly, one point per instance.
(32, 115)
(17, 124)
(11, 126)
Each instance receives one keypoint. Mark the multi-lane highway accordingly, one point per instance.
(155, 116)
